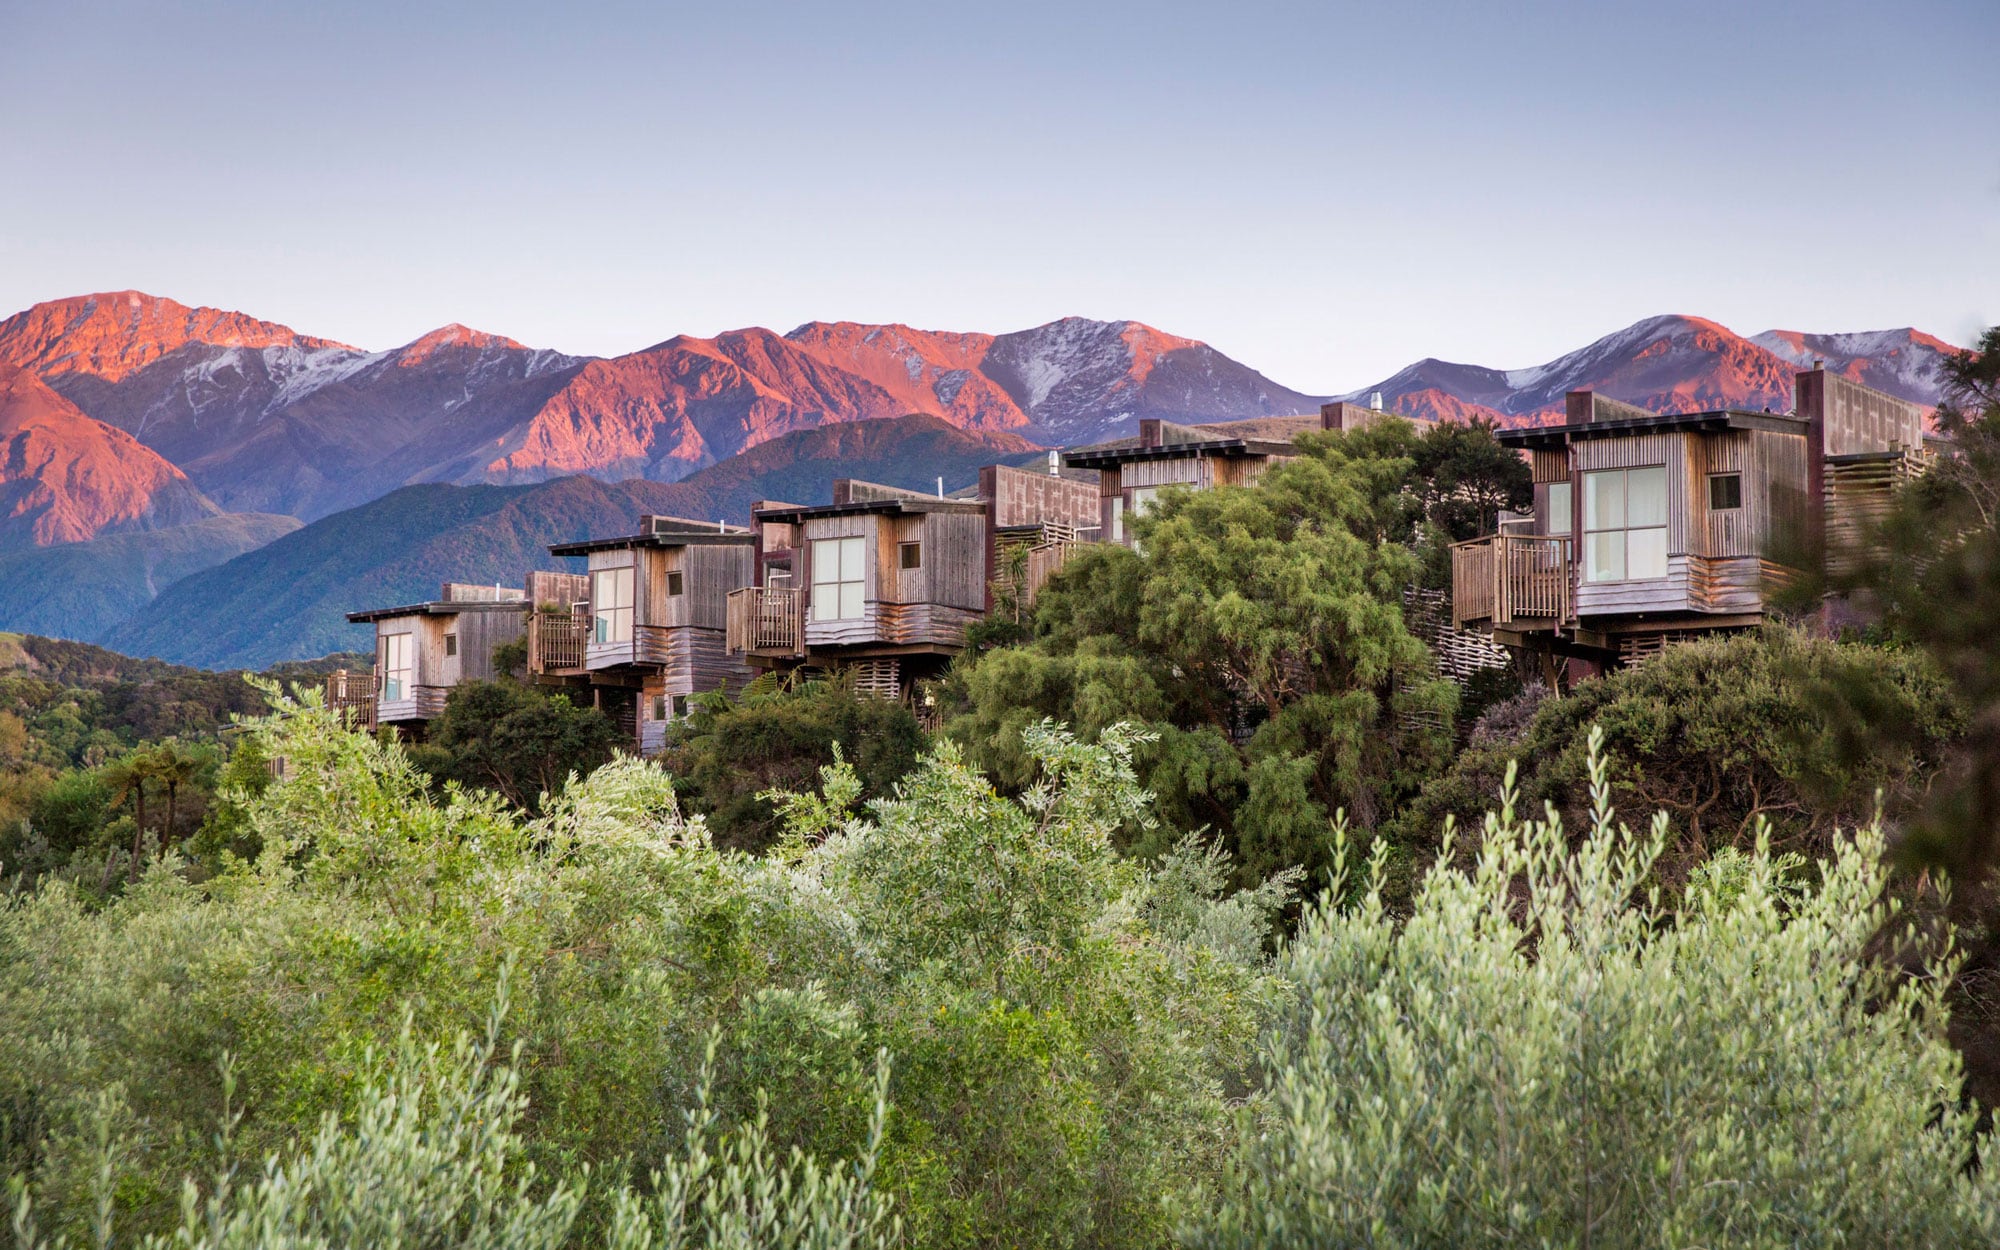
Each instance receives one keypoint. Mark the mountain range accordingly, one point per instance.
(156, 454)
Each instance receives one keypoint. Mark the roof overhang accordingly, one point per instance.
(1551, 437)
(439, 607)
(1112, 457)
(864, 507)
(585, 546)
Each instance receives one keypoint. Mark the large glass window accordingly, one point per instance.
(611, 605)
(1561, 518)
(399, 657)
(1625, 524)
(837, 578)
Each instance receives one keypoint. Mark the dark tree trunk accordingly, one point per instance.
(139, 833)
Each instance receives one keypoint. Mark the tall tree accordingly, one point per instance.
(1257, 632)
(1933, 573)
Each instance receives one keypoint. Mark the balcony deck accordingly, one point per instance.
(767, 621)
(1512, 581)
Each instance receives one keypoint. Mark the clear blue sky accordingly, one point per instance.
(1325, 191)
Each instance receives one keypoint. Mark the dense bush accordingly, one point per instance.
(727, 754)
(1067, 1027)
(1718, 734)
(516, 740)
(1541, 1055)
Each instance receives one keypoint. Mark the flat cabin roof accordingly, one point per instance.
(1550, 437)
(675, 538)
(439, 607)
(1104, 457)
(863, 507)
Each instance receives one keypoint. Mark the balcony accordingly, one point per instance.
(556, 640)
(765, 621)
(1511, 581)
(351, 696)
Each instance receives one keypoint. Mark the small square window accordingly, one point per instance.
(1725, 491)
(674, 583)
(680, 705)
(451, 644)
(910, 555)
(658, 710)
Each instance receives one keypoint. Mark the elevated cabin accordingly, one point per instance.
(1133, 471)
(422, 650)
(1034, 522)
(1649, 527)
(646, 630)
(884, 581)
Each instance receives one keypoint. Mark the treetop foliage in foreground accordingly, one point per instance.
(956, 1018)
(1542, 1054)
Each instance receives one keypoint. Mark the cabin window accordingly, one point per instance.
(398, 665)
(1143, 499)
(680, 706)
(1625, 524)
(451, 644)
(910, 555)
(1561, 516)
(837, 574)
(1118, 518)
(611, 605)
(675, 584)
(657, 711)
(1725, 491)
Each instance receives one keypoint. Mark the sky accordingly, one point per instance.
(1326, 192)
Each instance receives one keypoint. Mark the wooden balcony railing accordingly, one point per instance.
(769, 619)
(1509, 579)
(351, 696)
(556, 640)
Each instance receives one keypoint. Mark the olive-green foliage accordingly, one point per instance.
(1717, 734)
(516, 740)
(1258, 634)
(726, 754)
(1065, 1027)
(434, 1157)
(1540, 1054)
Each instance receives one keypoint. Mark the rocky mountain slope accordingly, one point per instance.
(65, 478)
(265, 419)
(289, 599)
(1670, 364)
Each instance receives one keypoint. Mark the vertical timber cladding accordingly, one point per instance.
(955, 559)
(548, 589)
(1021, 497)
(710, 571)
(1860, 419)
(480, 630)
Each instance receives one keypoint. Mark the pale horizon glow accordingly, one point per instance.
(1326, 192)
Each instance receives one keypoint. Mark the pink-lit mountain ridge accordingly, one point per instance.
(260, 418)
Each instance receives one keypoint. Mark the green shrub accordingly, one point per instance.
(1541, 1055)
